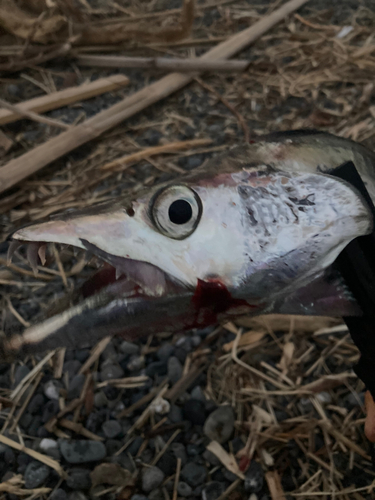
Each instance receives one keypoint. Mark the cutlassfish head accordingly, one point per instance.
(234, 237)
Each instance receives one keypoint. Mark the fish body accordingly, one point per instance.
(255, 230)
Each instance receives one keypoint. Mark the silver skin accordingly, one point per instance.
(266, 223)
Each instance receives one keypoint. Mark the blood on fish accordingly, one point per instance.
(212, 298)
(105, 276)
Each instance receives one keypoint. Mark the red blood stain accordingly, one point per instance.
(212, 298)
(244, 463)
(105, 276)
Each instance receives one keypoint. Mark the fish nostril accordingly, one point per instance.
(130, 211)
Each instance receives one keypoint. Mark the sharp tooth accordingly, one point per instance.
(32, 256)
(42, 253)
(119, 273)
(89, 257)
(14, 244)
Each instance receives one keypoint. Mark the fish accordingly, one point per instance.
(255, 230)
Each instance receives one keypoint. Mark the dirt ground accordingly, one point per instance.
(313, 70)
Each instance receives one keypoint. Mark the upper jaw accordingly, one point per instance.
(148, 279)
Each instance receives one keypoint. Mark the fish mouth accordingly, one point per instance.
(123, 297)
(118, 274)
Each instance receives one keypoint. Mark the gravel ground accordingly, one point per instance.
(125, 440)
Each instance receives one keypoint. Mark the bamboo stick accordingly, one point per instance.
(64, 97)
(31, 115)
(27, 164)
(168, 64)
(172, 147)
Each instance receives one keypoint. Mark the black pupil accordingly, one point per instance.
(180, 212)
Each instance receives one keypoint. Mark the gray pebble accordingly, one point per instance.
(156, 368)
(194, 411)
(129, 348)
(110, 353)
(50, 447)
(210, 406)
(211, 458)
(184, 489)
(237, 444)
(111, 429)
(254, 478)
(133, 448)
(152, 137)
(100, 399)
(72, 367)
(156, 494)
(213, 490)
(194, 474)
(305, 405)
(75, 386)
(152, 477)
(197, 393)
(174, 370)
(20, 373)
(36, 403)
(14, 90)
(281, 415)
(82, 355)
(113, 446)
(168, 462)
(196, 340)
(82, 451)
(35, 424)
(124, 460)
(324, 397)
(146, 456)
(125, 425)
(194, 449)
(50, 409)
(136, 363)
(36, 474)
(25, 420)
(185, 343)
(165, 351)
(52, 389)
(59, 494)
(111, 371)
(175, 414)
(229, 476)
(138, 497)
(193, 161)
(220, 424)
(79, 479)
(77, 495)
(4, 380)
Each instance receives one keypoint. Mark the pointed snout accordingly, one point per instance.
(104, 228)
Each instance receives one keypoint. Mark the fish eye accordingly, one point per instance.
(180, 212)
(176, 211)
